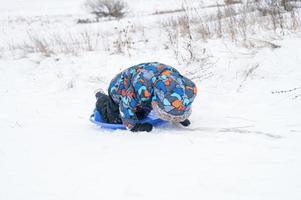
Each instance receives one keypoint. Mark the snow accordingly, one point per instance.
(244, 141)
(38, 7)
(67, 7)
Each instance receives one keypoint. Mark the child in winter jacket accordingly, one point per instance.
(138, 90)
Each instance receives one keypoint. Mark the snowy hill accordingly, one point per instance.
(244, 140)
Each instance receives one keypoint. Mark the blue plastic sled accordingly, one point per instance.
(97, 119)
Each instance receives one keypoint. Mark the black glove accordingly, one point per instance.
(185, 123)
(142, 127)
(141, 114)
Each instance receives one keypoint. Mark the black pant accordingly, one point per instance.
(109, 110)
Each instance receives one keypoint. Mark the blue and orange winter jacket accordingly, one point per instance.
(137, 87)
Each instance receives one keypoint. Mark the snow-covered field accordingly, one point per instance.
(244, 141)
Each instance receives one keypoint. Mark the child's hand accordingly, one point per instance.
(142, 127)
(185, 123)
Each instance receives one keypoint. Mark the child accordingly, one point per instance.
(137, 90)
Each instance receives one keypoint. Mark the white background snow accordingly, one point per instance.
(244, 141)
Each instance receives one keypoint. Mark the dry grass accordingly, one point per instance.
(168, 11)
(185, 32)
(56, 43)
(123, 43)
(236, 21)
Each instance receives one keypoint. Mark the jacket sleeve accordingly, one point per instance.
(128, 107)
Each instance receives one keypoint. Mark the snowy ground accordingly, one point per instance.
(244, 141)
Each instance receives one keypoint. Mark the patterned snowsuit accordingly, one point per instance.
(138, 87)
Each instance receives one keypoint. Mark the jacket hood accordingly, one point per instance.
(173, 96)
